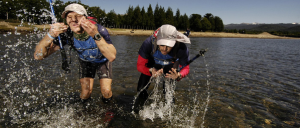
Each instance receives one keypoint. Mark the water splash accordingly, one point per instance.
(159, 106)
(162, 105)
(208, 93)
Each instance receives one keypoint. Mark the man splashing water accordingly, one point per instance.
(160, 56)
(92, 43)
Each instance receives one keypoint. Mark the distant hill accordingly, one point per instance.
(293, 29)
(265, 27)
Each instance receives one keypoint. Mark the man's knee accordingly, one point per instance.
(85, 88)
(106, 93)
(106, 87)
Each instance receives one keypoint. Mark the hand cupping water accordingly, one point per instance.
(156, 72)
(90, 28)
(57, 29)
(173, 74)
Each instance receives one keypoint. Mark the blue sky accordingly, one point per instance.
(230, 11)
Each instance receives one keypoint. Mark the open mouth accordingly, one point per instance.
(75, 25)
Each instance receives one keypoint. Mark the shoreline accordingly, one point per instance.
(7, 27)
(137, 32)
(264, 35)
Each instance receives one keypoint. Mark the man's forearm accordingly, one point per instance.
(141, 66)
(108, 50)
(44, 48)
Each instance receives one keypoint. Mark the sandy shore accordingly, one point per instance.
(7, 27)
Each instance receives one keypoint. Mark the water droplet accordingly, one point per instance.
(26, 104)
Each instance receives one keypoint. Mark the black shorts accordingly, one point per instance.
(88, 69)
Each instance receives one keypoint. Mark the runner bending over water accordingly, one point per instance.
(162, 53)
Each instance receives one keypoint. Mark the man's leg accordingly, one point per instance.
(86, 77)
(105, 86)
(143, 81)
(86, 87)
(104, 72)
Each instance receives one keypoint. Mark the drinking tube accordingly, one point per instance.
(65, 65)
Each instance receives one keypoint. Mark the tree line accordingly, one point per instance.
(38, 12)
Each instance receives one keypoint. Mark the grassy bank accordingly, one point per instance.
(6, 27)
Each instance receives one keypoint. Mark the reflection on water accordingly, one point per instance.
(239, 83)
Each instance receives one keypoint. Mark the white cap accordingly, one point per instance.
(74, 8)
(168, 35)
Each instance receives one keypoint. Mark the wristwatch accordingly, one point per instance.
(97, 37)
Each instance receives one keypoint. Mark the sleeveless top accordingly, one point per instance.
(88, 51)
(161, 59)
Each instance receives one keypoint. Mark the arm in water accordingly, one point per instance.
(46, 46)
(108, 50)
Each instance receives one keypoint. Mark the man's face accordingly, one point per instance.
(164, 49)
(74, 20)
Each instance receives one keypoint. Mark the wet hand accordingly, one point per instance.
(57, 28)
(156, 73)
(89, 27)
(173, 74)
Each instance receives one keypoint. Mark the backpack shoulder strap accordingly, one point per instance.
(154, 45)
(175, 49)
(70, 39)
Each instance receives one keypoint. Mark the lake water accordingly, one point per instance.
(238, 83)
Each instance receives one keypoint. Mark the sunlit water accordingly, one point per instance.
(239, 83)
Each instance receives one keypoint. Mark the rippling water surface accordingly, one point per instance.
(238, 83)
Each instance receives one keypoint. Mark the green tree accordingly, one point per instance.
(169, 17)
(9, 9)
(120, 20)
(162, 16)
(159, 16)
(129, 17)
(33, 9)
(208, 15)
(177, 19)
(111, 19)
(212, 22)
(156, 16)
(205, 24)
(137, 17)
(195, 22)
(144, 18)
(185, 22)
(150, 21)
(219, 26)
(211, 19)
